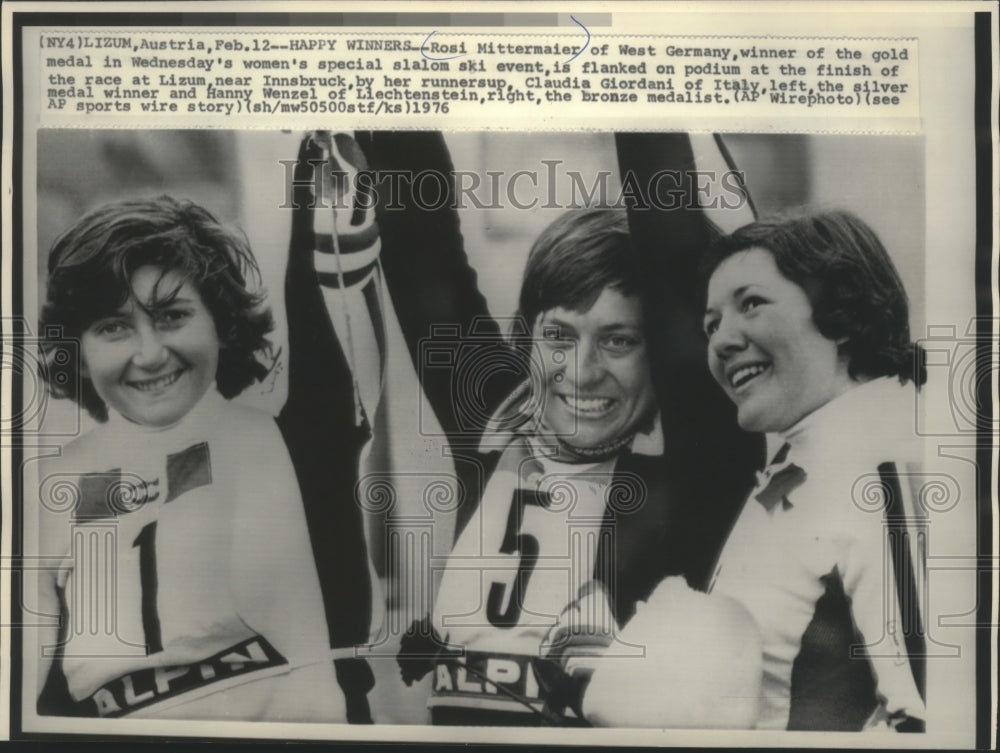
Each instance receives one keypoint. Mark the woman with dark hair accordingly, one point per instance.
(91, 264)
(577, 518)
(808, 334)
(175, 541)
(584, 415)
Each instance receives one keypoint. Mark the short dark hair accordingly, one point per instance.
(91, 264)
(854, 288)
(575, 258)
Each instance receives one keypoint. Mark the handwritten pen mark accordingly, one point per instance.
(452, 57)
(585, 44)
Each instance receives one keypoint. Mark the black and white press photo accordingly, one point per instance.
(447, 412)
(583, 378)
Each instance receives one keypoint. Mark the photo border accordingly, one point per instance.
(986, 308)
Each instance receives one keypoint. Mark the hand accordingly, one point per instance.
(584, 630)
(715, 685)
(419, 647)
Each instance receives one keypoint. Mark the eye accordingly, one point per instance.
(711, 326)
(110, 328)
(751, 302)
(622, 343)
(171, 318)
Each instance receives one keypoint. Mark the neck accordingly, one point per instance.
(569, 453)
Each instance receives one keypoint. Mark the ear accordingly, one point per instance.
(84, 371)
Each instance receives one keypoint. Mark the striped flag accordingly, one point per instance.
(326, 420)
(368, 277)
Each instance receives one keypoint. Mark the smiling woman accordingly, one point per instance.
(597, 381)
(765, 350)
(155, 357)
(95, 290)
(575, 492)
(183, 560)
(808, 334)
(580, 297)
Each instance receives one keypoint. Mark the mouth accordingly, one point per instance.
(741, 376)
(155, 385)
(589, 407)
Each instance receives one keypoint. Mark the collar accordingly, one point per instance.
(863, 412)
(870, 417)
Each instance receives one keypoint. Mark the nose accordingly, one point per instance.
(150, 350)
(728, 338)
(586, 365)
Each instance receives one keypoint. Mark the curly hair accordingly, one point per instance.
(91, 265)
(855, 290)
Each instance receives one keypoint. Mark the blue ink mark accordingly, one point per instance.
(585, 45)
(428, 57)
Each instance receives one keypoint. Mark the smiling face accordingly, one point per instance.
(763, 347)
(597, 385)
(153, 359)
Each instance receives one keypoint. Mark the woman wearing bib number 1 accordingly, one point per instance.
(181, 569)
